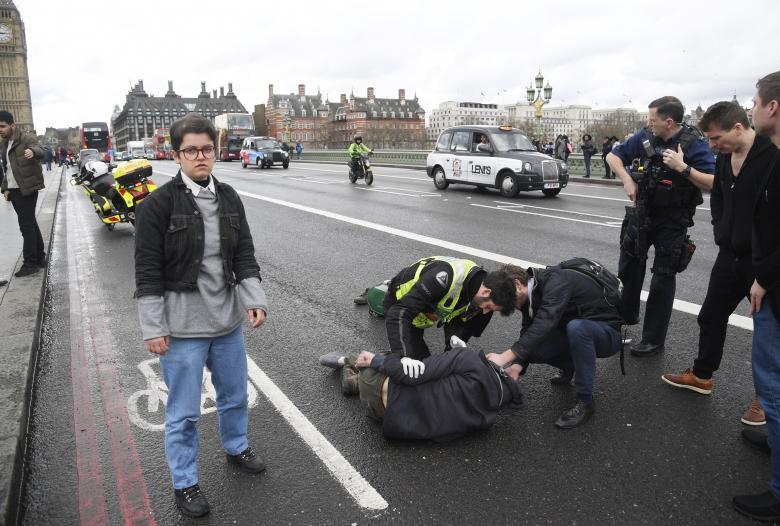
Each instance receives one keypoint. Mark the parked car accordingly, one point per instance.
(506, 160)
(160, 155)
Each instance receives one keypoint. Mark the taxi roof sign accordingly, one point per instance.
(505, 127)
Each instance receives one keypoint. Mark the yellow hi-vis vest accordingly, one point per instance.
(445, 309)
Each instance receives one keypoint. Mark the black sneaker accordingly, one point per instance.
(576, 415)
(564, 377)
(27, 270)
(247, 461)
(362, 299)
(191, 501)
(757, 439)
(763, 507)
(349, 380)
(3, 282)
(643, 349)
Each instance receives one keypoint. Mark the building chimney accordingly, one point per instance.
(170, 85)
(214, 93)
(140, 85)
(202, 85)
(230, 90)
(402, 94)
(370, 94)
(270, 90)
(221, 91)
(301, 90)
(343, 99)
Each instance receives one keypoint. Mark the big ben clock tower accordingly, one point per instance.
(14, 79)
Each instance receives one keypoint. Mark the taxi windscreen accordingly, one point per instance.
(512, 142)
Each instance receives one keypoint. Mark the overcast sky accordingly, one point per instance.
(84, 54)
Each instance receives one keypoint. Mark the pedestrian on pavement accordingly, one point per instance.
(48, 155)
(677, 164)
(196, 279)
(549, 149)
(765, 297)
(563, 148)
(21, 155)
(588, 150)
(568, 322)
(298, 150)
(606, 148)
(455, 293)
(460, 392)
(743, 161)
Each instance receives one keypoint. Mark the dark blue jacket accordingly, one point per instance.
(698, 155)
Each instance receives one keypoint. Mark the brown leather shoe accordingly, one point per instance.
(754, 414)
(688, 380)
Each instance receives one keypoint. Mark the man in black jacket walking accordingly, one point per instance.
(742, 162)
(567, 323)
(765, 297)
(461, 391)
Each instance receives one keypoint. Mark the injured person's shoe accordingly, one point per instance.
(334, 360)
(362, 299)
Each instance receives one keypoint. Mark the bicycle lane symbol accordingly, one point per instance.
(146, 407)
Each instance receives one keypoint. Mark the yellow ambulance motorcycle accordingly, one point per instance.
(115, 194)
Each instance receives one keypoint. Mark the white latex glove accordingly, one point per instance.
(412, 368)
(456, 343)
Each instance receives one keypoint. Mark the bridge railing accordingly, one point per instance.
(417, 158)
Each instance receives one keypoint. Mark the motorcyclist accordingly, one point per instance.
(355, 150)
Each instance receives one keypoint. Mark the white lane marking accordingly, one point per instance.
(418, 179)
(394, 193)
(358, 487)
(621, 199)
(514, 205)
(736, 320)
(683, 306)
(504, 209)
(310, 180)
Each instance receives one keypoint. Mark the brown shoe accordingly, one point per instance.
(688, 380)
(754, 414)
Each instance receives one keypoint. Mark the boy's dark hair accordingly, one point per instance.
(669, 107)
(769, 88)
(502, 290)
(191, 123)
(724, 115)
(6, 117)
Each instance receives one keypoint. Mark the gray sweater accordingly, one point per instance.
(215, 309)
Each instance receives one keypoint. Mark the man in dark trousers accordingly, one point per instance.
(743, 161)
(676, 165)
(765, 297)
(449, 292)
(460, 392)
(568, 322)
(21, 157)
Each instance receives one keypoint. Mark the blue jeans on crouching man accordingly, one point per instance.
(766, 379)
(182, 368)
(576, 348)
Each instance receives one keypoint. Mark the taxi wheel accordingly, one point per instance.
(260, 164)
(439, 180)
(508, 185)
(243, 164)
(551, 192)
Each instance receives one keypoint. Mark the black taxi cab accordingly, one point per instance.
(499, 157)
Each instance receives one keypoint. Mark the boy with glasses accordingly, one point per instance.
(196, 279)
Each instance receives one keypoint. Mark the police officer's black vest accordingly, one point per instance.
(664, 187)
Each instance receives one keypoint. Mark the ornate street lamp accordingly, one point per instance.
(541, 95)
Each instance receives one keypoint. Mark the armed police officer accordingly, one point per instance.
(673, 164)
(453, 293)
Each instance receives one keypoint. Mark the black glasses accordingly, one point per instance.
(192, 152)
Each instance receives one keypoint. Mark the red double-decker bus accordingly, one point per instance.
(95, 136)
(161, 141)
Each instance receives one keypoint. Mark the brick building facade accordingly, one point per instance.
(384, 123)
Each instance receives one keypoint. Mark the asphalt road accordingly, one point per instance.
(650, 455)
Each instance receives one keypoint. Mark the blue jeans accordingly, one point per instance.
(766, 378)
(586, 158)
(182, 368)
(577, 348)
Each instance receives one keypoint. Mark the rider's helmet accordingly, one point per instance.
(358, 138)
(96, 168)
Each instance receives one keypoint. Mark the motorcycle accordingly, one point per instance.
(364, 170)
(116, 194)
